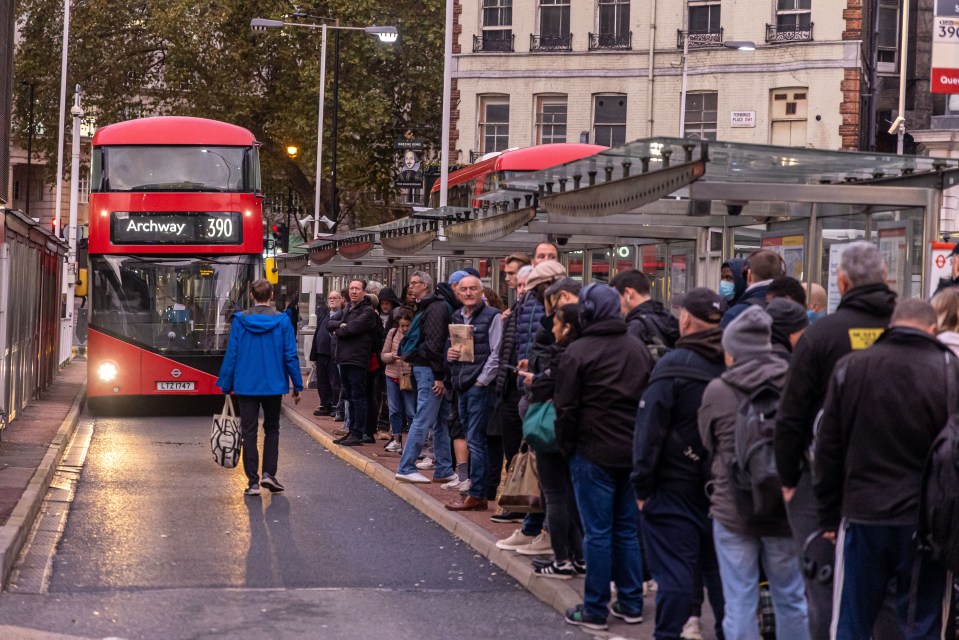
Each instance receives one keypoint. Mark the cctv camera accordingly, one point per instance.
(894, 129)
(735, 207)
(390, 260)
(562, 240)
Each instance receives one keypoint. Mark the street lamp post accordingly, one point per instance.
(739, 45)
(386, 34)
(29, 147)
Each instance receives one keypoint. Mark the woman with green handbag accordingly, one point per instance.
(562, 516)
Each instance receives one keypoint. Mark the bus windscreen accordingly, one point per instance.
(171, 168)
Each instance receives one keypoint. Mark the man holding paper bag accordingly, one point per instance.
(474, 360)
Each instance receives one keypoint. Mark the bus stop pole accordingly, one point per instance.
(447, 99)
(317, 200)
(77, 113)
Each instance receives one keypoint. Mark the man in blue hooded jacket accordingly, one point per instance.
(259, 364)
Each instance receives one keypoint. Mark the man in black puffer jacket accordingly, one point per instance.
(670, 472)
(354, 348)
(863, 314)
(646, 319)
(600, 380)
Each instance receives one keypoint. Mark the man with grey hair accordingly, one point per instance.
(863, 314)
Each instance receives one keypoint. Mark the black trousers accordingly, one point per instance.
(249, 409)
(375, 394)
(503, 447)
(327, 382)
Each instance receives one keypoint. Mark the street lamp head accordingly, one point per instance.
(385, 34)
(262, 24)
(292, 150)
(741, 45)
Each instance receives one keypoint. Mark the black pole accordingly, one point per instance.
(336, 111)
(29, 150)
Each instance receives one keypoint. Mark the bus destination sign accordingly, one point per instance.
(176, 227)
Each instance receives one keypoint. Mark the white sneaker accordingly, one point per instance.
(516, 540)
(425, 463)
(454, 484)
(415, 478)
(394, 447)
(692, 630)
(539, 546)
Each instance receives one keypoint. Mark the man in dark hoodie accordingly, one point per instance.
(760, 269)
(646, 319)
(863, 314)
(732, 284)
(870, 455)
(598, 385)
(355, 341)
(428, 359)
(670, 472)
(259, 364)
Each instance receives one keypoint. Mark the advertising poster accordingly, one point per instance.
(940, 264)
(792, 250)
(893, 243)
(832, 288)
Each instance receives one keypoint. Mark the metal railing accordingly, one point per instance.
(699, 40)
(797, 34)
(562, 42)
(494, 41)
(475, 155)
(620, 41)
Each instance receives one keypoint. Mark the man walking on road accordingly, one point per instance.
(471, 378)
(259, 363)
(355, 341)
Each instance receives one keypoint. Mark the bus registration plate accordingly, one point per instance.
(175, 386)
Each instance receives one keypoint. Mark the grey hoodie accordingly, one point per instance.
(717, 426)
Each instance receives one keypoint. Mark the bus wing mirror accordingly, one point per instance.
(272, 273)
(80, 289)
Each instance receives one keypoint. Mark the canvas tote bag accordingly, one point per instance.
(225, 438)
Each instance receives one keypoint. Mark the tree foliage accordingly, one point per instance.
(165, 57)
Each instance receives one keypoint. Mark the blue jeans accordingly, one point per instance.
(402, 407)
(871, 556)
(607, 505)
(353, 379)
(739, 556)
(429, 415)
(474, 409)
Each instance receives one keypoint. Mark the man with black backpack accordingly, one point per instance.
(736, 424)
(872, 447)
(670, 473)
(646, 319)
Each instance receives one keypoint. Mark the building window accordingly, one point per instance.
(793, 22)
(494, 123)
(497, 34)
(788, 117)
(888, 40)
(613, 25)
(84, 187)
(701, 110)
(16, 190)
(554, 32)
(40, 191)
(703, 26)
(551, 119)
(609, 120)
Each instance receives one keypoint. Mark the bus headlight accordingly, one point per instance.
(107, 371)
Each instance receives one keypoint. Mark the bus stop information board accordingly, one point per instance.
(945, 47)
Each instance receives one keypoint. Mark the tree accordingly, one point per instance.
(202, 59)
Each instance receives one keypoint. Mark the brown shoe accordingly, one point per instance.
(339, 433)
(468, 503)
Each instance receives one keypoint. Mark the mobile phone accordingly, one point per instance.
(512, 367)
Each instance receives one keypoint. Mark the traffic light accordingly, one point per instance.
(281, 235)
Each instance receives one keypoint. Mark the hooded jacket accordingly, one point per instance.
(356, 341)
(755, 296)
(261, 355)
(862, 316)
(667, 451)
(650, 318)
(600, 379)
(437, 309)
(739, 282)
(394, 367)
(387, 295)
(717, 428)
(876, 430)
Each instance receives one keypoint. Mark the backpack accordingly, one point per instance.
(414, 336)
(656, 342)
(938, 531)
(754, 481)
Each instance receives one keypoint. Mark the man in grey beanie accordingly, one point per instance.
(741, 540)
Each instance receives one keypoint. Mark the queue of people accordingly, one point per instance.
(741, 443)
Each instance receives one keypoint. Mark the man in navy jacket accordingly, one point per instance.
(259, 365)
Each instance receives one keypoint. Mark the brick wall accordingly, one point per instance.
(851, 106)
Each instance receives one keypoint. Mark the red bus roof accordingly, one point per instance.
(534, 158)
(173, 130)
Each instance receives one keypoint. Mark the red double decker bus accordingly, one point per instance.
(176, 240)
(469, 183)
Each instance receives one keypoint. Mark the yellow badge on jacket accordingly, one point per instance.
(863, 338)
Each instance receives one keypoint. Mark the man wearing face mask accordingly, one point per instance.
(732, 284)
